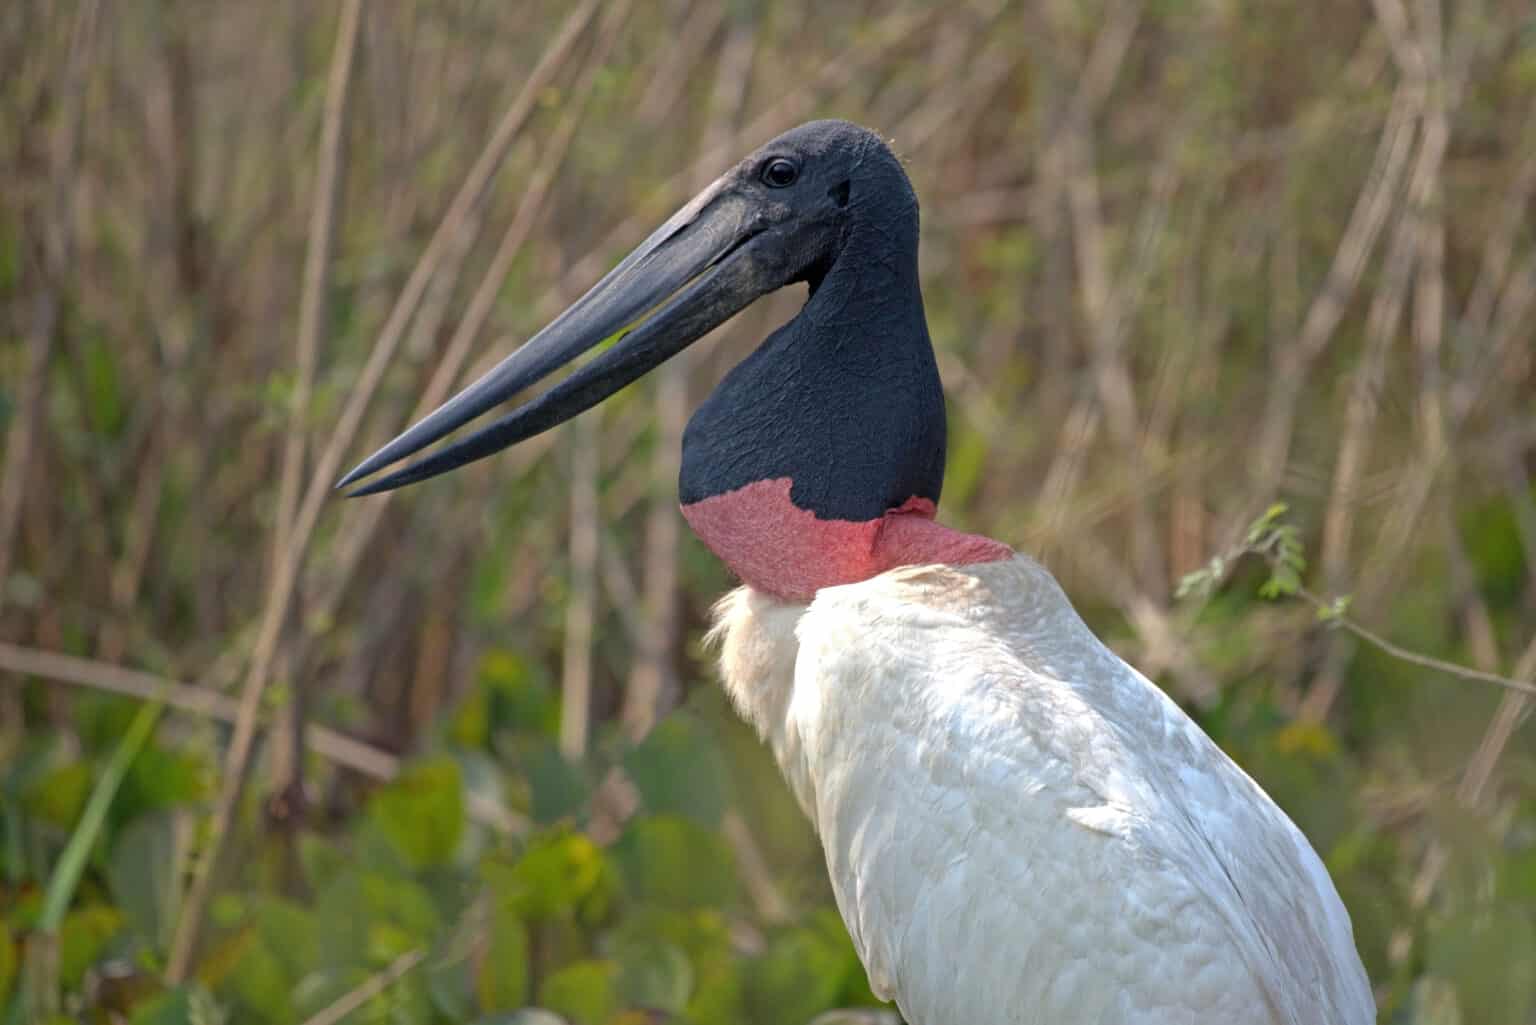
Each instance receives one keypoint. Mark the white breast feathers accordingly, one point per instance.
(1021, 828)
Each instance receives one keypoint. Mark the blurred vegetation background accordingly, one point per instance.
(266, 756)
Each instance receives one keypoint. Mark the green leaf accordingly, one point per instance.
(184, 1005)
(263, 984)
(291, 930)
(802, 973)
(1260, 528)
(584, 991)
(679, 770)
(675, 862)
(422, 812)
(560, 788)
(58, 795)
(144, 873)
(160, 779)
(7, 962)
(322, 860)
(501, 978)
(655, 976)
(1202, 581)
(1283, 581)
(364, 920)
(66, 874)
(82, 936)
(516, 696)
(561, 876)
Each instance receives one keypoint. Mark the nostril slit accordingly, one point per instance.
(839, 193)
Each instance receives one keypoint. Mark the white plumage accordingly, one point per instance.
(1021, 828)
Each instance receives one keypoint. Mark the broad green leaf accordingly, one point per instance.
(585, 992)
(562, 875)
(224, 956)
(8, 962)
(290, 927)
(322, 860)
(501, 978)
(82, 936)
(656, 976)
(807, 969)
(364, 920)
(518, 698)
(678, 770)
(560, 789)
(422, 812)
(58, 795)
(675, 862)
(450, 984)
(261, 982)
(160, 778)
(704, 938)
(184, 1005)
(144, 872)
(796, 979)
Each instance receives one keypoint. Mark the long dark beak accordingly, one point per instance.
(694, 273)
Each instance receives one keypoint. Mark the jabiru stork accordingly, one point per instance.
(1019, 826)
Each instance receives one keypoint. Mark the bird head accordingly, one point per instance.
(778, 217)
(819, 459)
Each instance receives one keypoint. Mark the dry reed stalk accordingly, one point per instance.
(361, 521)
(56, 230)
(205, 701)
(285, 572)
(652, 689)
(286, 754)
(1293, 359)
(378, 982)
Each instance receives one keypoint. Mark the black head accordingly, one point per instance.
(784, 214)
(813, 184)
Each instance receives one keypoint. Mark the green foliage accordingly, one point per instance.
(560, 876)
(672, 861)
(83, 935)
(679, 771)
(501, 984)
(184, 1005)
(1278, 542)
(585, 992)
(1270, 537)
(654, 975)
(66, 874)
(144, 873)
(807, 969)
(8, 962)
(422, 812)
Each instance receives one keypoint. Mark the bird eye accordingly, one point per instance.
(780, 173)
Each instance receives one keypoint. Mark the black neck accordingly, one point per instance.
(844, 399)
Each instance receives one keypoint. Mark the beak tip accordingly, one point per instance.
(358, 471)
